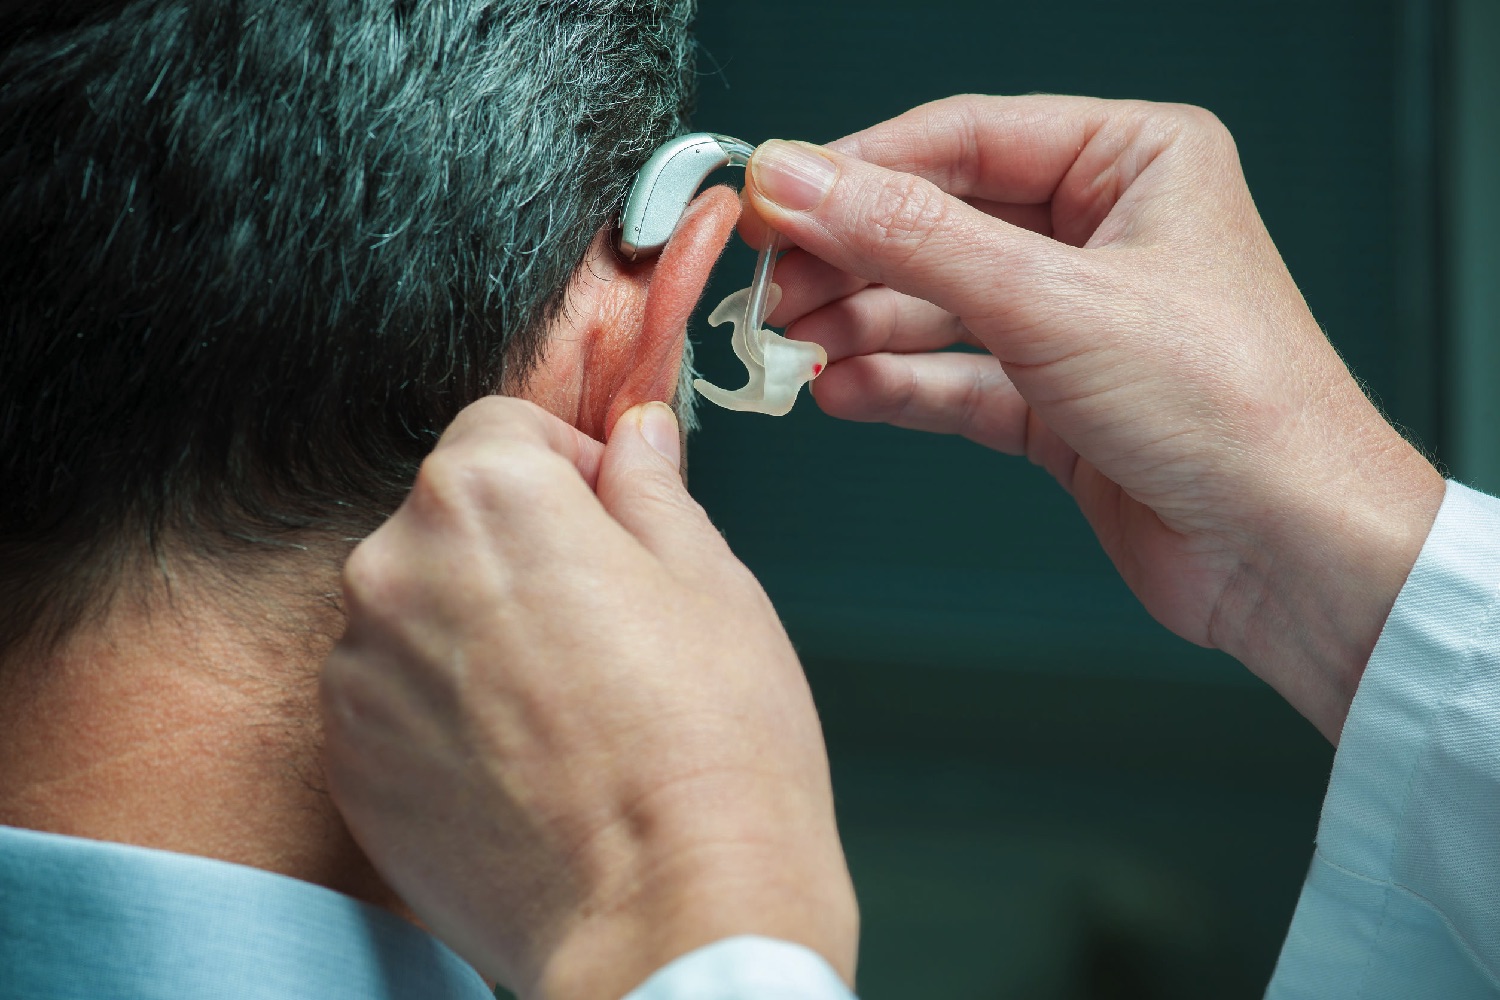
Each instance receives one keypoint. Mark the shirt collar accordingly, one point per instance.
(88, 919)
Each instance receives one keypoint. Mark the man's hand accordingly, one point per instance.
(569, 727)
(1146, 345)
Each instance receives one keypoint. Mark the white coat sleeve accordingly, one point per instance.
(745, 968)
(1403, 896)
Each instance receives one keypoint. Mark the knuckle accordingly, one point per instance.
(1200, 123)
(973, 402)
(489, 410)
(954, 113)
(484, 477)
(442, 481)
(1199, 117)
(958, 111)
(968, 104)
(366, 577)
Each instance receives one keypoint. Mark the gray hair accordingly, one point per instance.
(273, 247)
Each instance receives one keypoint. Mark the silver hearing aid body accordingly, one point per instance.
(666, 184)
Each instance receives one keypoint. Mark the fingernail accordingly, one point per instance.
(792, 174)
(659, 428)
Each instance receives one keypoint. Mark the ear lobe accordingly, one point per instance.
(635, 353)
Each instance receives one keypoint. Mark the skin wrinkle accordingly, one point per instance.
(1108, 192)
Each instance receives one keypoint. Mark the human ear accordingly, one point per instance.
(619, 338)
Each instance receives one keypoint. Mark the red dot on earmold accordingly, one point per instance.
(817, 369)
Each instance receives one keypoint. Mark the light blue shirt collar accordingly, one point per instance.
(86, 919)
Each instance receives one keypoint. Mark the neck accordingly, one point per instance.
(182, 726)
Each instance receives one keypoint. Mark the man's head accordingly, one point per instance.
(261, 252)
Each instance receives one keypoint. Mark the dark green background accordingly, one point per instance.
(1043, 794)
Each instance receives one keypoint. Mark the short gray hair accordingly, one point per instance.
(273, 247)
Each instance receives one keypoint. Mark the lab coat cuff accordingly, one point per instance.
(1399, 902)
(745, 968)
(1431, 656)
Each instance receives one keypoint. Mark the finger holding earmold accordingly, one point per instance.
(879, 319)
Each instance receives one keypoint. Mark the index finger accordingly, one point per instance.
(1014, 150)
(901, 230)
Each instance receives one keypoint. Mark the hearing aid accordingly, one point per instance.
(776, 367)
(666, 184)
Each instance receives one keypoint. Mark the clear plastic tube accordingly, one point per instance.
(760, 288)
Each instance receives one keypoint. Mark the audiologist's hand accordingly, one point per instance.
(565, 721)
(1146, 345)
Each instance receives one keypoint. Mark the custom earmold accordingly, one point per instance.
(777, 367)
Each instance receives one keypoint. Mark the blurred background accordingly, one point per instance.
(1043, 794)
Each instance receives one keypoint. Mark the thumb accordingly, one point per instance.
(901, 230)
(640, 485)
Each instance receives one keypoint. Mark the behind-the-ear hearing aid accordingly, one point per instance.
(666, 184)
(777, 367)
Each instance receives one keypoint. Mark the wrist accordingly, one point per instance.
(695, 899)
(696, 860)
(1308, 604)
